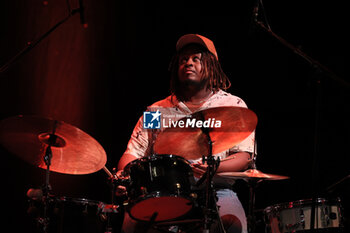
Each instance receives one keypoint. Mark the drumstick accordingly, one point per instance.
(225, 159)
(228, 158)
(201, 172)
(108, 172)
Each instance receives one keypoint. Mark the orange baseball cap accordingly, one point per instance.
(196, 39)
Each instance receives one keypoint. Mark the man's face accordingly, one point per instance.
(190, 66)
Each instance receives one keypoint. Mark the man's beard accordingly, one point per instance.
(194, 85)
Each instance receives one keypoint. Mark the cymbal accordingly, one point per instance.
(192, 142)
(74, 151)
(251, 174)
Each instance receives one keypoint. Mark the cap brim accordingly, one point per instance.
(196, 39)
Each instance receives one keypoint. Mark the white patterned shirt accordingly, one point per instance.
(141, 141)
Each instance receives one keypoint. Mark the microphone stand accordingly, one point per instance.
(332, 187)
(314, 63)
(319, 69)
(32, 44)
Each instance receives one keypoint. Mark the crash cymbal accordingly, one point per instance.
(226, 126)
(74, 152)
(251, 174)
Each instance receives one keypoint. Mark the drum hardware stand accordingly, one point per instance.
(44, 221)
(252, 184)
(112, 177)
(151, 221)
(209, 194)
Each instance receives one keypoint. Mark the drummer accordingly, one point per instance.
(197, 83)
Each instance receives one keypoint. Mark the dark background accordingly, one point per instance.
(100, 79)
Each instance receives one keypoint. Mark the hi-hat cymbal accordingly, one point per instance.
(251, 174)
(74, 151)
(192, 142)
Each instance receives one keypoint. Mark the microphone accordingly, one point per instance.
(255, 11)
(254, 17)
(82, 14)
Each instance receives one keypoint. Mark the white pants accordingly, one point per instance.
(230, 210)
(230, 205)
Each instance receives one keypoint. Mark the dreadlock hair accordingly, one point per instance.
(212, 72)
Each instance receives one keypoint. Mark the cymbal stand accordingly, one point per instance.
(252, 184)
(113, 182)
(44, 221)
(209, 192)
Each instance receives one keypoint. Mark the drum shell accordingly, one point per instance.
(162, 178)
(296, 216)
(75, 215)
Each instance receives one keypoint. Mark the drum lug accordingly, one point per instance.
(325, 216)
(302, 219)
(292, 227)
(194, 195)
(85, 211)
(143, 190)
(178, 188)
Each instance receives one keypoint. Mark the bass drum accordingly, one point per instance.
(159, 188)
(292, 217)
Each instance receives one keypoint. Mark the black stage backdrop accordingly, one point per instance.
(101, 78)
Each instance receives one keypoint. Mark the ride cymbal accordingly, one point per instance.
(236, 124)
(251, 174)
(73, 151)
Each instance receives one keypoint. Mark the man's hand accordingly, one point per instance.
(121, 190)
(198, 169)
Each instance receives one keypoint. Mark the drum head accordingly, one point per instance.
(162, 208)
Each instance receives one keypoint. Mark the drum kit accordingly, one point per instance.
(161, 188)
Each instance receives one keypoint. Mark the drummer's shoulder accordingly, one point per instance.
(231, 99)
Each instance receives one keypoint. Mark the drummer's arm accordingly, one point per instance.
(234, 163)
(125, 159)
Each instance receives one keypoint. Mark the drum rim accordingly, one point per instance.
(158, 194)
(77, 200)
(299, 203)
(155, 156)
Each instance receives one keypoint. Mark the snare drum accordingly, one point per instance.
(159, 188)
(296, 216)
